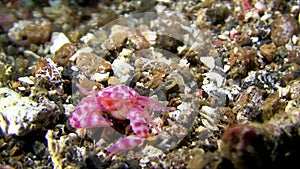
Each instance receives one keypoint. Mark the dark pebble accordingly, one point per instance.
(94, 162)
(168, 43)
(218, 15)
(39, 149)
(246, 42)
(262, 42)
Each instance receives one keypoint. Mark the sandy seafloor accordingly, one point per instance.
(229, 68)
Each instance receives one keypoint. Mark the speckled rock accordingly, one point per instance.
(121, 69)
(25, 32)
(294, 93)
(90, 63)
(241, 60)
(282, 29)
(263, 79)
(121, 34)
(272, 105)
(60, 150)
(62, 55)
(20, 115)
(58, 39)
(116, 41)
(218, 14)
(268, 51)
(48, 79)
(209, 118)
(60, 14)
(5, 72)
(249, 105)
(227, 115)
(240, 31)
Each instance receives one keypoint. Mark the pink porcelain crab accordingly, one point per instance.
(122, 102)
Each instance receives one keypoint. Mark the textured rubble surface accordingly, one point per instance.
(230, 68)
(21, 115)
(153, 72)
(26, 32)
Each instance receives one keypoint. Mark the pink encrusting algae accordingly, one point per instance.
(246, 5)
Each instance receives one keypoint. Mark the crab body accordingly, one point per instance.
(122, 102)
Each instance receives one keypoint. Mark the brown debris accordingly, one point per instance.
(26, 32)
(90, 63)
(282, 29)
(268, 50)
(249, 105)
(272, 105)
(63, 54)
(241, 61)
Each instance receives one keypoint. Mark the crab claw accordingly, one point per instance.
(85, 115)
(124, 144)
(89, 121)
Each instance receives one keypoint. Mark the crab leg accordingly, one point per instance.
(124, 144)
(138, 122)
(83, 90)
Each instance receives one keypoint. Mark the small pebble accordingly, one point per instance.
(26, 32)
(63, 54)
(282, 29)
(268, 51)
(26, 80)
(58, 40)
(261, 7)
